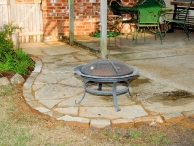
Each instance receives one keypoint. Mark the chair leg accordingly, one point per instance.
(186, 30)
(181, 25)
(160, 34)
(144, 34)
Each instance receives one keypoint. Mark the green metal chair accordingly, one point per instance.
(181, 20)
(148, 17)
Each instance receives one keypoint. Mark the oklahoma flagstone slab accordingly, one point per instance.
(4, 81)
(68, 110)
(28, 96)
(50, 103)
(59, 59)
(52, 78)
(72, 81)
(102, 101)
(176, 116)
(127, 112)
(148, 119)
(99, 123)
(188, 113)
(38, 67)
(37, 86)
(63, 49)
(56, 91)
(52, 68)
(94, 100)
(75, 121)
(42, 109)
(122, 123)
(84, 58)
(159, 107)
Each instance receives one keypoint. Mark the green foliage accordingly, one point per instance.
(9, 28)
(18, 62)
(6, 45)
(11, 60)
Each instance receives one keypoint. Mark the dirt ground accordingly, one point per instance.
(179, 133)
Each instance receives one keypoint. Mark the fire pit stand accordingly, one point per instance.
(114, 92)
(112, 80)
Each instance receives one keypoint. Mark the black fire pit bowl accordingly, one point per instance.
(106, 71)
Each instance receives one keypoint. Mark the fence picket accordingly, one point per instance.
(28, 16)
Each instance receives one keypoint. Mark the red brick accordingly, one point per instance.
(86, 14)
(58, 4)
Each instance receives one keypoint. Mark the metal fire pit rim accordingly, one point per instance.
(77, 70)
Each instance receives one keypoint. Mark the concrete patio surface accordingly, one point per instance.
(162, 92)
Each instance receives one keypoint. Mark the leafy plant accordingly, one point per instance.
(6, 45)
(19, 62)
(11, 60)
(9, 28)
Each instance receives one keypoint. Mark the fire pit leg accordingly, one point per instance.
(115, 97)
(83, 95)
(130, 93)
(100, 87)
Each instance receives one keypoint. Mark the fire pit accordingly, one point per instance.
(106, 71)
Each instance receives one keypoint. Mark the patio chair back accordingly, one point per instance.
(149, 12)
(186, 11)
(180, 18)
(148, 17)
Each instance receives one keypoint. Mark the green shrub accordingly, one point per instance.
(11, 60)
(6, 45)
(18, 62)
(9, 28)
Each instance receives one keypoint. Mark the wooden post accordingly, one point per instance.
(103, 20)
(71, 21)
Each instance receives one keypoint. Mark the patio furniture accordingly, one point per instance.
(114, 6)
(145, 15)
(180, 16)
(148, 17)
(113, 31)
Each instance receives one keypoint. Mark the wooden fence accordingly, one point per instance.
(25, 13)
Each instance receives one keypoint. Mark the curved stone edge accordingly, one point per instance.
(94, 123)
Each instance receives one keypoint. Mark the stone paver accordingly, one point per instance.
(68, 110)
(151, 120)
(54, 90)
(4, 81)
(188, 113)
(122, 123)
(100, 123)
(171, 117)
(75, 121)
(127, 112)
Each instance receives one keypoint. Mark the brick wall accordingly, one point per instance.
(56, 17)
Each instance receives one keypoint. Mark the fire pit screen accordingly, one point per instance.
(106, 71)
